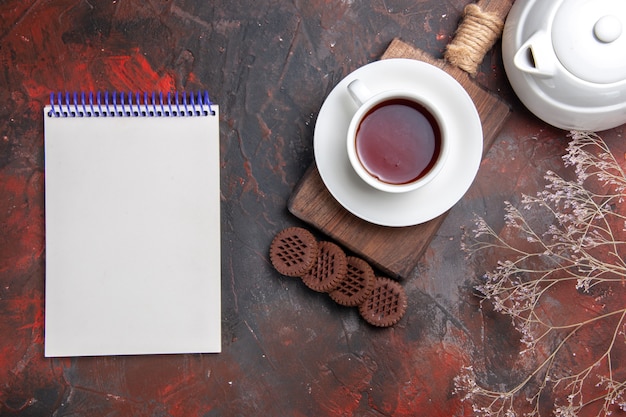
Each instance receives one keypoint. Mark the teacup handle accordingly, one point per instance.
(359, 92)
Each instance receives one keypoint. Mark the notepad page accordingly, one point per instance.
(132, 235)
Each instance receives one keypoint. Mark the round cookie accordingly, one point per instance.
(329, 270)
(385, 305)
(293, 251)
(357, 285)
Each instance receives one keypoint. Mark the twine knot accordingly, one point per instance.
(476, 34)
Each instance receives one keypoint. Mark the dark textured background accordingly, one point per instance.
(287, 351)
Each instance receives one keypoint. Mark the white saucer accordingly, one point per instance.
(434, 198)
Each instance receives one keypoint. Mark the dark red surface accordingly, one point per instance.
(287, 351)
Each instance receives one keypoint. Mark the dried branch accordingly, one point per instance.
(561, 280)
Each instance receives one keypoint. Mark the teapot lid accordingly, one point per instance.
(589, 39)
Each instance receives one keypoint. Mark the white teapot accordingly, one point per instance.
(566, 61)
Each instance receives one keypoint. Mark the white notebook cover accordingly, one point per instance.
(132, 235)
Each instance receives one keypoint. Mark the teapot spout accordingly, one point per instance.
(536, 56)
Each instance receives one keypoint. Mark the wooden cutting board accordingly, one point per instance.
(393, 250)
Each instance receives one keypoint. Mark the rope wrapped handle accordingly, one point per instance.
(479, 30)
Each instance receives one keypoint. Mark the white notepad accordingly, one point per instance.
(132, 226)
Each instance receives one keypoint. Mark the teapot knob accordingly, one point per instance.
(608, 29)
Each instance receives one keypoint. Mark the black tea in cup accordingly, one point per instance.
(398, 141)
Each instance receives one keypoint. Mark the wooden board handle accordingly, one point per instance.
(479, 30)
(499, 8)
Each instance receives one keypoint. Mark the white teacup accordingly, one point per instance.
(397, 140)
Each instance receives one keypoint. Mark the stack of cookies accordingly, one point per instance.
(350, 281)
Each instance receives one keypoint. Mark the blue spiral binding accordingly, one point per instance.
(114, 104)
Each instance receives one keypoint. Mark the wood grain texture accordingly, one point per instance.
(379, 245)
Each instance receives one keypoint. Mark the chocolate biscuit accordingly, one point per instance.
(385, 305)
(357, 285)
(293, 251)
(329, 270)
